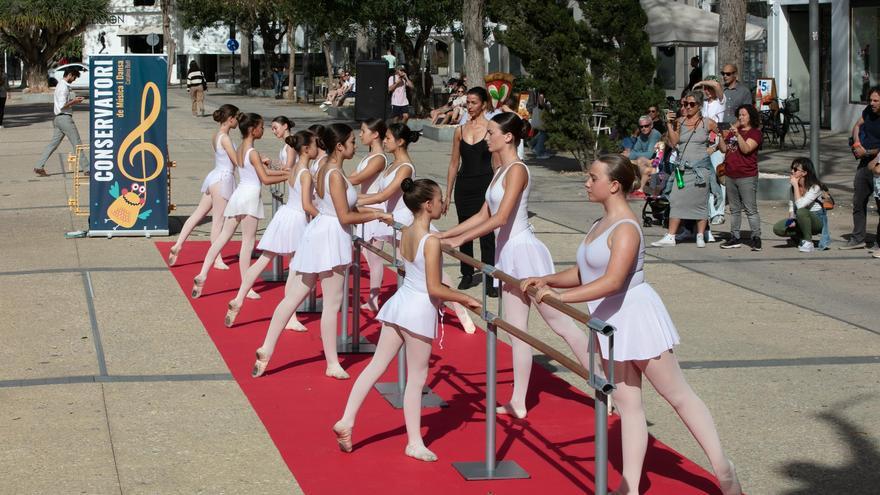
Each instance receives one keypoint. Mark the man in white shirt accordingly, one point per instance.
(389, 58)
(63, 122)
(397, 84)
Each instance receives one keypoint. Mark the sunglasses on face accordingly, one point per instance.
(796, 170)
(652, 111)
(728, 73)
(644, 126)
(689, 104)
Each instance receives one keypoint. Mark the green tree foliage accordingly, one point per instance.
(622, 63)
(554, 48)
(38, 29)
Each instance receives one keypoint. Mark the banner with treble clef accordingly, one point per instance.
(128, 145)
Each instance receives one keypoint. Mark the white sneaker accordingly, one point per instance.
(806, 247)
(700, 242)
(710, 237)
(668, 240)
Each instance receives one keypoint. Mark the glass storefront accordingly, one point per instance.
(864, 49)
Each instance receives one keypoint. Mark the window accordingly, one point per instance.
(666, 67)
(864, 50)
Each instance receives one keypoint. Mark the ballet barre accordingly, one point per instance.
(490, 467)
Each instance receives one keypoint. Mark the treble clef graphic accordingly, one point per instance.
(126, 155)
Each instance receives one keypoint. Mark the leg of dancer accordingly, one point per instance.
(212, 202)
(376, 266)
(247, 282)
(249, 226)
(331, 289)
(218, 205)
(229, 226)
(297, 289)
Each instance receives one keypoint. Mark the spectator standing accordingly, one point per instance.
(642, 152)
(537, 122)
(4, 94)
(196, 85)
(397, 85)
(278, 80)
(659, 125)
(63, 123)
(390, 58)
(875, 168)
(735, 94)
(803, 220)
(866, 143)
(741, 143)
(713, 100)
(696, 73)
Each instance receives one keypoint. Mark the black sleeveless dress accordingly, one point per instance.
(471, 183)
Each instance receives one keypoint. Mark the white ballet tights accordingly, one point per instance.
(248, 237)
(212, 202)
(297, 289)
(418, 352)
(377, 270)
(254, 271)
(665, 375)
(515, 309)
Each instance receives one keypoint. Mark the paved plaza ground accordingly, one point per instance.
(109, 384)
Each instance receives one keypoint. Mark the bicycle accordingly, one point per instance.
(781, 122)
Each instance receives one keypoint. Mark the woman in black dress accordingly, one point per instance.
(470, 168)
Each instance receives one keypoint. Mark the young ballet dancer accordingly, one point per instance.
(409, 318)
(287, 226)
(217, 187)
(281, 128)
(609, 277)
(518, 252)
(317, 129)
(366, 175)
(324, 252)
(398, 137)
(245, 206)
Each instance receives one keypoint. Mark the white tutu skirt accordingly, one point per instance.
(245, 200)
(644, 329)
(523, 256)
(226, 180)
(325, 244)
(284, 232)
(412, 310)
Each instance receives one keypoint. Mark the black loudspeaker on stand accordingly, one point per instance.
(371, 100)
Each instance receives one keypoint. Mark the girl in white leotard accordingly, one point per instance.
(324, 252)
(245, 206)
(287, 226)
(217, 187)
(517, 252)
(609, 277)
(397, 141)
(281, 128)
(409, 318)
(366, 175)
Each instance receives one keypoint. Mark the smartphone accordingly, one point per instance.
(723, 126)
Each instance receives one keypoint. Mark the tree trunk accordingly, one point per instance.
(291, 62)
(245, 57)
(473, 19)
(731, 34)
(166, 36)
(362, 45)
(328, 58)
(37, 74)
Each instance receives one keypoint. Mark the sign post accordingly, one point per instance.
(128, 145)
(153, 40)
(232, 45)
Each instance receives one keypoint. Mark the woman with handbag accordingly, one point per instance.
(804, 209)
(740, 145)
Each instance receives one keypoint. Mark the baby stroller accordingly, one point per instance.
(656, 208)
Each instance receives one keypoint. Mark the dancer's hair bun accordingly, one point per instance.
(407, 185)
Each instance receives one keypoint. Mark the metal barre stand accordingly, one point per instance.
(393, 391)
(354, 343)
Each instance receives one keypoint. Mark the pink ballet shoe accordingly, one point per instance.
(220, 265)
(466, 322)
(295, 326)
(172, 256)
(231, 313)
(260, 365)
(252, 294)
(370, 306)
(336, 371)
(420, 452)
(198, 285)
(343, 436)
(509, 410)
(729, 482)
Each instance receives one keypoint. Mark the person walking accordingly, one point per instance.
(866, 143)
(610, 278)
(4, 94)
(741, 143)
(63, 123)
(469, 175)
(196, 85)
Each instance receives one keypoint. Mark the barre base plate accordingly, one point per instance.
(391, 392)
(504, 470)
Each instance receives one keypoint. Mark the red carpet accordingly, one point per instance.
(298, 405)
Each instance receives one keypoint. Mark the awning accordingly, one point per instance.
(139, 30)
(677, 24)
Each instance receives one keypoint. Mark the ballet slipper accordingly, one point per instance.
(343, 436)
(466, 322)
(198, 285)
(420, 452)
(370, 306)
(295, 325)
(509, 410)
(336, 371)
(172, 256)
(260, 365)
(252, 294)
(231, 313)
(220, 265)
(729, 482)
